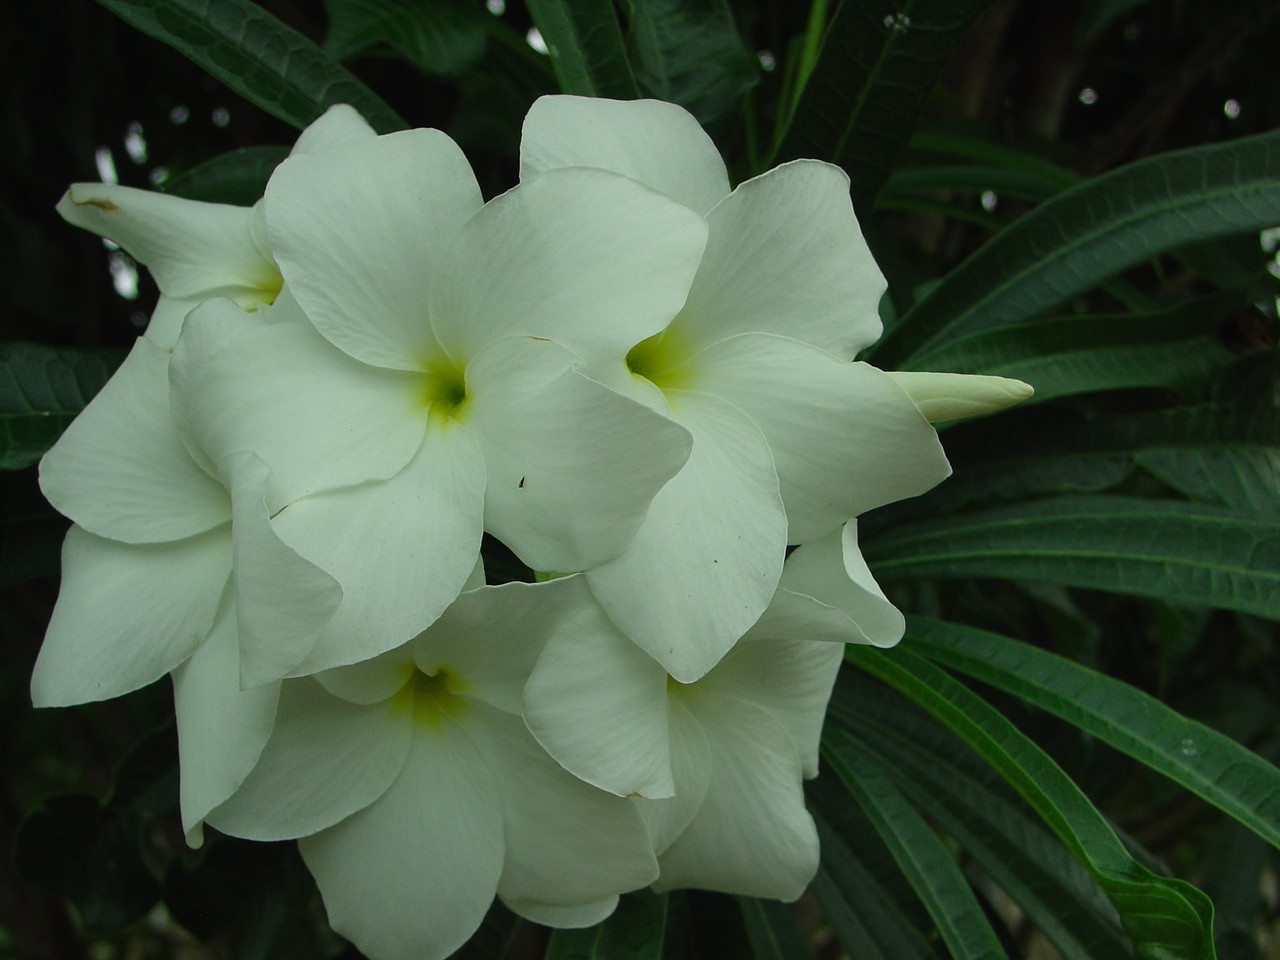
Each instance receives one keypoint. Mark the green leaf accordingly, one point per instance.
(442, 38)
(690, 52)
(239, 177)
(635, 931)
(1170, 549)
(1082, 236)
(1211, 765)
(877, 66)
(996, 155)
(1004, 182)
(772, 930)
(41, 391)
(586, 47)
(1166, 918)
(972, 804)
(254, 54)
(928, 865)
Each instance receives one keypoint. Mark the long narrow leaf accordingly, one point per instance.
(1167, 918)
(634, 931)
(877, 66)
(239, 177)
(586, 47)
(1204, 761)
(1086, 234)
(1169, 549)
(265, 61)
(928, 865)
(772, 931)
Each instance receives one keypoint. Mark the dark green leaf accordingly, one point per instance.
(239, 177)
(1082, 236)
(635, 931)
(1166, 918)
(260, 58)
(772, 930)
(41, 391)
(967, 178)
(877, 66)
(586, 47)
(1173, 550)
(1200, 759)
(931, 869)
(690, 52)
(443, 38)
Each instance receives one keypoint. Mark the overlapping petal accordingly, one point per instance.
(654, 142)
(120, 469)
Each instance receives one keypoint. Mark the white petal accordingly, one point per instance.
(359, 232)
(589, 259)
(752, 835)
(491, 637)
(567, 843)
(167, 318)
(657, 143)
(572, 466)
(844, 437)
(127, 614)
(788, 678)
(691, 767)
(706, 559)
(952, 396)
(401, 549)
(598, 704)
(193, 249)
(340, 124)
(413, 874)
(121, 471)
(369, 681)
(318, 419)
(326, 759)
(786, 256)
(564, 918)
(221, 728)
(828, 593)
(282, 601)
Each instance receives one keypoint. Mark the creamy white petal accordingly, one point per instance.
(167, 319)
(598, 704)
(360, 232)
(844, 437)
(491, 637)
(369, 681)
(221, 728)
(789, 678)
(691, 767)
(193, 249)
(567, 843)
(325, 760)
(413, 874)
(952, 396)
(828, 593)
(657, 143)
(572, 466)
(120, 469)
(589, 259)
(564, 918)
(282, 600)
(786, 256)
(401, 549)
(706, 559)
(340, 124)
(127, 614)
(752, 834)
(318, 419)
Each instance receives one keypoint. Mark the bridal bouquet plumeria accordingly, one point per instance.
(638, 380)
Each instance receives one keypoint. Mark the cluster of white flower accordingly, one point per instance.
(636, 379)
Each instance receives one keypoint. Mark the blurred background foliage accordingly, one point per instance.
(1157, 387)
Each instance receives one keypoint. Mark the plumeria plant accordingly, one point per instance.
(650, 480)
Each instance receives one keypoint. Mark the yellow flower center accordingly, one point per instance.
(662, 360)
(430, 698)
(442, 389)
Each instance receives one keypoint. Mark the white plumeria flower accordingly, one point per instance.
(790, 439)
(716, 765)
(418, 793)
(198, 250)
(421, 400)
(165, 563)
